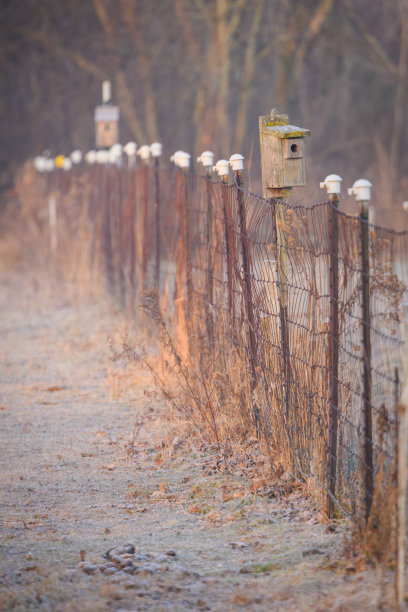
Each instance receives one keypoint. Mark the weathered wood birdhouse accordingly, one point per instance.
(106, 120)
(282, 154)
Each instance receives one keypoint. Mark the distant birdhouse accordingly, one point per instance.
(106, 120)
(282, 153)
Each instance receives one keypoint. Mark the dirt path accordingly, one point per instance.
(203, 540)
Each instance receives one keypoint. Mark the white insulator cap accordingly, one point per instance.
(156, 149)
(49, 165)
(102, 156)
(39, 163)
(206, 159)
(67, 164)
(76, 156)
(332, 183)
(237, 161)
(361, 190)
(113, 156)
(130, 148)
(144, 152)
(405, 206)
(175, 156)
(106, 92)
(183, 160)
(221, 167)
(90, 157)
(116, 149)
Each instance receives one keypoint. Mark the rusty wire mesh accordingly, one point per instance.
(247, 286)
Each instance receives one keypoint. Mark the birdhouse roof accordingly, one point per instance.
(285, 131)
(106, 113)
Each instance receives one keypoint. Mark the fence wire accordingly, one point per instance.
(280, 292)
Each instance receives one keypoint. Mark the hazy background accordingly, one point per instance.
(196, 74)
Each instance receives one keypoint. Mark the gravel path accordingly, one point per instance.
(73, 488)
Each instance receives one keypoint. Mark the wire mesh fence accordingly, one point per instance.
(298, 309)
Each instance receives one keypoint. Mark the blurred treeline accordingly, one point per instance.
(196, 74)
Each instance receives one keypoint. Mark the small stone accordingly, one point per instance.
(171, 552)
(130, 548)
(126, 563)
(29, 556)
(145, 570)
(110, 564)
(174, 588)
(67, 539)
(89, 568)
(185, 573)
(160, 558)
(118, 577)
(110, 571)
(130, 569)
(238, 544)
(130, 584)
(312, 551)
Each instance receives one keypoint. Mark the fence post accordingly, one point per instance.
(222, 168)
(52, 215)
(184, 163)
(402, 474)
(156, 151)
(207, 159)
(362, 191)
(107, 231)
(236, 162)
(281, 264)
(332, 184)
(144, 153)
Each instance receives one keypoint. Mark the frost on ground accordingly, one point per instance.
(106, 506)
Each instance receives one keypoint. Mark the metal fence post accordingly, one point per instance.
(334, 352)
(236, 163)
(222, 169)
(366, 316)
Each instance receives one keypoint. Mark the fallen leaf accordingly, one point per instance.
(110, 466)
(241, 599)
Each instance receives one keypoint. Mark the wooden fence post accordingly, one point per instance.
(402, 476)
(333, 185)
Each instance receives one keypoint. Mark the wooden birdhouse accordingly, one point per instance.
(282, 154)
(106, 120)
